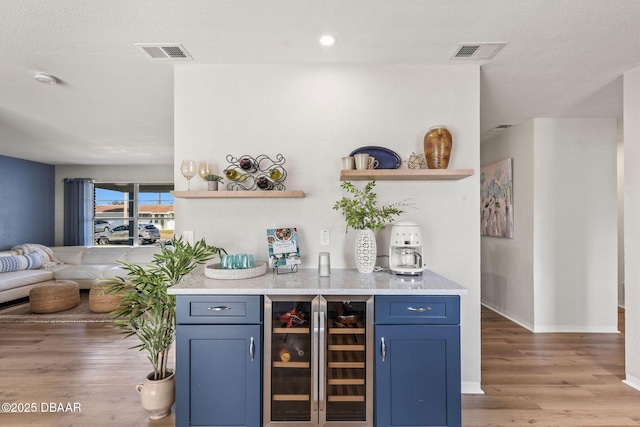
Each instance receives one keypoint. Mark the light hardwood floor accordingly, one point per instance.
(528, 379)
(550, 379)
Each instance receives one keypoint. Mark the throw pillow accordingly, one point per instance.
(34, 260)
(20, 262)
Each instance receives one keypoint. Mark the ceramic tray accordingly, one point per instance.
(386, 158)
(215, 271)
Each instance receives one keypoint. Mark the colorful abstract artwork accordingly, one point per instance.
(496, 199)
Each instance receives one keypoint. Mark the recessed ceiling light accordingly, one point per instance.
(46, 78)
(328, 40)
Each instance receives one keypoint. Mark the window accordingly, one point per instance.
(121, 208)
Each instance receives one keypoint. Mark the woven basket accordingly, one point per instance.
(52, 297)
(215, 271)
(101, 301)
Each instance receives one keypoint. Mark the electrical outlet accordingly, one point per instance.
(324, 237)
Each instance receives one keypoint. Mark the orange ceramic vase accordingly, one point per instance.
(437, 147)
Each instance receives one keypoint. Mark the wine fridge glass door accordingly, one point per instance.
(289, 391)
(348, 360)
(318, 361)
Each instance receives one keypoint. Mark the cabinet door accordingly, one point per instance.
(218, 375)
(417, 371)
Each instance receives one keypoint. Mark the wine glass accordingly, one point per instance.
(188, 170)
(204, 169)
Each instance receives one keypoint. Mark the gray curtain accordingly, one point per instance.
(78, 211)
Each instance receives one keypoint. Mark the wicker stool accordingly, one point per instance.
(54, 296)
(102, 302)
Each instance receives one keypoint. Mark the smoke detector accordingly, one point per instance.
(477, 51)
(47, 79)
(164, 51)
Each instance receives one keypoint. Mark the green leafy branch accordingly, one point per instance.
(361, 211)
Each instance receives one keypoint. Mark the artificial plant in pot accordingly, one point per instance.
(362, 213)
(147, 311)
(212, 181)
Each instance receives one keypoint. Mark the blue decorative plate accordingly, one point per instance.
(386, 158)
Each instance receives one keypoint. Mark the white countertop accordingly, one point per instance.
(307, 281)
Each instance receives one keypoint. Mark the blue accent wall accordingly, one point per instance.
(27, 202)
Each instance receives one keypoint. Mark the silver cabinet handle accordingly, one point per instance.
(419, 309)
(252, 348)
(383, 349)
(219, 308)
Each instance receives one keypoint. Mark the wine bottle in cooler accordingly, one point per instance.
(284, 353)
(295, 345)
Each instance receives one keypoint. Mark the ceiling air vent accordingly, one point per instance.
(165, 51)
(477, 51)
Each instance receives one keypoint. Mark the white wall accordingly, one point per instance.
(314, 115)
(632, 225)
(124, 174)
(575, 225)
(507, 264)
(559, 272)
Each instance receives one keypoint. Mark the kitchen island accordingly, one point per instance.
(301, 350)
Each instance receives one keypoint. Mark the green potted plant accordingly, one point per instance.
(212, 181)
(147, 311)
(362, 213)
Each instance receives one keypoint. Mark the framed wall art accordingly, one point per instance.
(496, 199)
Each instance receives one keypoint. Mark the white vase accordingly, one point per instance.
(366, 251)
(158, 396)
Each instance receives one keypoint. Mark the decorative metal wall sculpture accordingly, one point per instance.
(259, 173)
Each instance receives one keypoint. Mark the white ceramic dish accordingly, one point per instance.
(215, 271)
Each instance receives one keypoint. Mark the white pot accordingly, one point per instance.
(366, 251)
(212, 185)
(157, 396)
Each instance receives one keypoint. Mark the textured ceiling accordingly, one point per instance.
(564, 58)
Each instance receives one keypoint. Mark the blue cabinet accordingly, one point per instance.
(221, 366)
(417, 361)
(218, 361)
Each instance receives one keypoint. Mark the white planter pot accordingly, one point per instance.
(212, 185)
(366, 251)
(158, 396)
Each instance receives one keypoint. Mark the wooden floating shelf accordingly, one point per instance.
(404, 174)
(220, 194)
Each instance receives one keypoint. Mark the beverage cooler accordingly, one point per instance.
(318, 361)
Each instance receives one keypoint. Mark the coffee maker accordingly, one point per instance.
(405, 249)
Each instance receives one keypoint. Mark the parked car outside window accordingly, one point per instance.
(148, 233)
(101, 226)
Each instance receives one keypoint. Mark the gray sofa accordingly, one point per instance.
(85, 265)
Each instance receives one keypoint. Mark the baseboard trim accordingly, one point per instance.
(559, 328)
(471, 387)
(632, 381)
(524, 325)
(575, 329)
